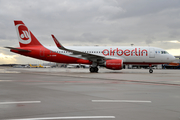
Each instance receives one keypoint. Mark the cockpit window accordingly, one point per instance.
(164, 52)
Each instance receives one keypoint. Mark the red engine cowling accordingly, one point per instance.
(115, 64)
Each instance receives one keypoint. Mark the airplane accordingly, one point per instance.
(33, 66)
(44, 66)
(111, 57)
(38, 66)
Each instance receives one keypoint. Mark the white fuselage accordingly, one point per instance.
(133, 54)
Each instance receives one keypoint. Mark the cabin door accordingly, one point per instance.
(151, 53)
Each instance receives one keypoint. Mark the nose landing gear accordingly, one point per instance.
(150, 69)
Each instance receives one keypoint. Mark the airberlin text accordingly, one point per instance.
(126, 52)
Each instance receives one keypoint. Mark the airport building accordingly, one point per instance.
(174, 65)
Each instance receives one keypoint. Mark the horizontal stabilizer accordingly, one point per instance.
(18, 49)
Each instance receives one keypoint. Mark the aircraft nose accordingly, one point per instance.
(173, 58)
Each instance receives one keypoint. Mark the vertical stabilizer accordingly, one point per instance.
(25, 36)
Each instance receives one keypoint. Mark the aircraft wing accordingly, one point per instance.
(88, 56)
(18, 49)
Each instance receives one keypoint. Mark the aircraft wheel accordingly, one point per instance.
(150, 71)
(93, 69)
(96, 69)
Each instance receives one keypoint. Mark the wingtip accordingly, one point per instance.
(56, 41)
(52, 36)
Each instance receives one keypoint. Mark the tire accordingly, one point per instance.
(96, 69)
(150, 71)
(91, 69)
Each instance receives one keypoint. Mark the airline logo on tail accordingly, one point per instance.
(23, 33)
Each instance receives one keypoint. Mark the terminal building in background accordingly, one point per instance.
(174, 65)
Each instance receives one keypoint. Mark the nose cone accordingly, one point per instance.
(172, 58)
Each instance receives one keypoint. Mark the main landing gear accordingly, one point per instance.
(93, 69)
(150, 69)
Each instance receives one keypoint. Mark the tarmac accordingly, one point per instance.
(69, 93)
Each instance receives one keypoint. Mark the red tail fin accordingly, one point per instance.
(25, 36)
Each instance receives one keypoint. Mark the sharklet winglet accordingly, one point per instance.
(58, 44)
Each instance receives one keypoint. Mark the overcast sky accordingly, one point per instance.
(91, 22)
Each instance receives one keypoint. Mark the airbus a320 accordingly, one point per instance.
(111, 57)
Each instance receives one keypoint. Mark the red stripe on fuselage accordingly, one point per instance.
(143, 63)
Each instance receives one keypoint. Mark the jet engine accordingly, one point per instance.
(114, 64)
